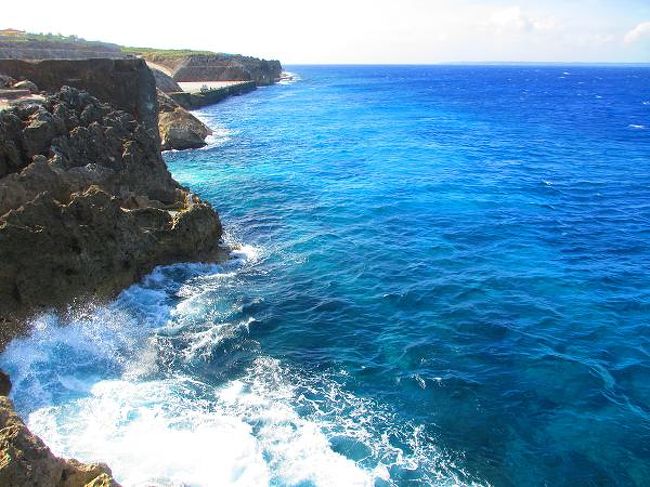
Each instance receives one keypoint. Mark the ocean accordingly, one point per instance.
(441, 276)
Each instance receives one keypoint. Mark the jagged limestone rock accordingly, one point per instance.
(87, 206)
(179, 129)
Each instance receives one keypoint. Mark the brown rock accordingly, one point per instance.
(25, 461)
(179, 129)
(164, 82)
(87, 207)
(5, 384)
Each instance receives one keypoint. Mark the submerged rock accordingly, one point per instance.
(25, 461)
(87, 206)
(179, 129)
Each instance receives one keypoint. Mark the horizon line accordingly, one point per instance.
(483, 63)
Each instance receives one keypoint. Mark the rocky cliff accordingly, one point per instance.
(87, 205)
(126, 84)
(164, 82)
(218, 67)
(31, 46)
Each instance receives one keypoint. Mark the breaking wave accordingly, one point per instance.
(129, 384)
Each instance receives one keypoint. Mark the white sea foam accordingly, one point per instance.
(636, 126)
(220, 134)
(289, 78)
(152, 434)
(218, 137)
(246, 253)
(102, 389)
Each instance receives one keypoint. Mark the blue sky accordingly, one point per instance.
(363, 31)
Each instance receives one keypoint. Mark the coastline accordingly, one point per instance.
(115, 204)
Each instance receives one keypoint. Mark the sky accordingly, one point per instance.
(360, 31)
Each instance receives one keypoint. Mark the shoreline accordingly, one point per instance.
(106, 225)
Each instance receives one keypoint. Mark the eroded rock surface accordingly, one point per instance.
(179, 129)
(126, 84)
(87, 206)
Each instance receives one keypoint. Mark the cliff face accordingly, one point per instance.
(87, 206)
(219, 67)
(26, 48)
(126, 84)
(164, 82)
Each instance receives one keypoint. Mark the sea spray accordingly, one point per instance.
(119, 384)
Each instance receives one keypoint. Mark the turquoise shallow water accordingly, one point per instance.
(443, 280)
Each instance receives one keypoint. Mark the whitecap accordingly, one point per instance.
(288, 78)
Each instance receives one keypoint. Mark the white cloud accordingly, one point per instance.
(515, 19)
(641, 31)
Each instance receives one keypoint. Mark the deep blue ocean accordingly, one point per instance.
(441, 277)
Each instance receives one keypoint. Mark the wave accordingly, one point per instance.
(220, 135)
(217, 138)
(636, 126)
(289, 78)
(132, 384)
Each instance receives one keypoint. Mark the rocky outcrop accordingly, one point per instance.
(126, 84)
(219, 67)
(25, 461)
(87, 206)
(179, 129)
(164, 82)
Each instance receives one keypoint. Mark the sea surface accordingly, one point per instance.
(441, 277)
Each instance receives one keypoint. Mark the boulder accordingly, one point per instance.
(25, 461)
(179, 129)
(5, 384)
